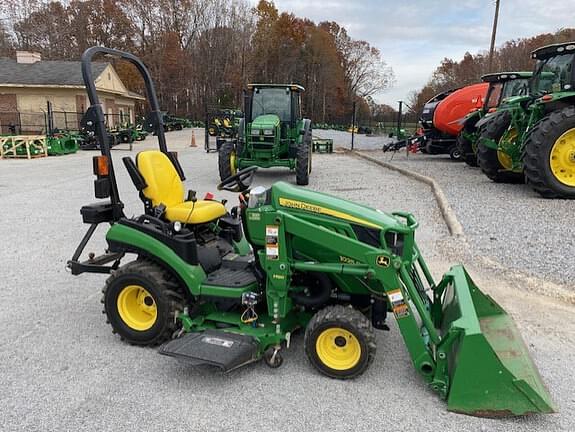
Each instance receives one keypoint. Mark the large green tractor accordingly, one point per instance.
(273, 133)
(502, 86)
(226, 287)
(535, 135)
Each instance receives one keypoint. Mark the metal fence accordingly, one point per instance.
(40, 123)
(22, 123)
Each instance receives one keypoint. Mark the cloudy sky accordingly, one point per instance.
(415, 35)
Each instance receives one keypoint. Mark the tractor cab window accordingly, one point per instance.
(554, 74)
(272, 101)
(494, 95)
(517, 87)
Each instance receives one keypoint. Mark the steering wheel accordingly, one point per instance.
(240, 181)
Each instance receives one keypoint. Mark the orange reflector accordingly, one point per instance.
(546, 98)
(101, 166)
(492, 110)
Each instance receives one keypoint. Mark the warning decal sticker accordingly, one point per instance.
(398, 304)
(272, 243)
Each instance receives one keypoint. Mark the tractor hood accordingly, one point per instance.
(266, 121)
(288, 197)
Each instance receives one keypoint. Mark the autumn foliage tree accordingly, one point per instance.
(204, 52)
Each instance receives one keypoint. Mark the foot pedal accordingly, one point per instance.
(227, 351)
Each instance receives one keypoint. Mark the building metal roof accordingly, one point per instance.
(52, 72)
(48, 73)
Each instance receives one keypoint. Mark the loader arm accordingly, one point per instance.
(461, 342)
(371, 263)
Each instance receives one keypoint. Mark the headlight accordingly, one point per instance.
(255, 132)
(268, 132)
(257, 197)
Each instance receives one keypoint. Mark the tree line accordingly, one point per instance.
(513, 55)
(203, 53)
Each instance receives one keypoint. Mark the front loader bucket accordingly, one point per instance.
(489, 368)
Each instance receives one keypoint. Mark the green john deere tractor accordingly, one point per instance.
(502, 85)
(534, 135)
(226, 287)
(273, 133)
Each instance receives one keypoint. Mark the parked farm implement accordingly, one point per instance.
(272, 134)
(502, 86)
(223, 124)
(36, 135)
(534, 135)
(441, 118)
(229, 287)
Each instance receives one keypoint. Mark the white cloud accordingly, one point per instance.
(415, 35)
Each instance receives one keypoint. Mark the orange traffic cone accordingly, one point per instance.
(193, 144)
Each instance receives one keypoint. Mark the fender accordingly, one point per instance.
(122, 237)
(485, 119)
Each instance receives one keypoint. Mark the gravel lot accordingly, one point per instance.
(62, 369)
(360, 141)
(509, 223)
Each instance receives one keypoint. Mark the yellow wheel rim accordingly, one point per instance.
(504, 159)
(562, 158)
(137, 307)
(233, 163)
(338, 348)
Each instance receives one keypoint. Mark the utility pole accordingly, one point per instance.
(493, 33)
(399, 114)
(352, 125)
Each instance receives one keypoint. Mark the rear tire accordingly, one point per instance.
(303, 163)
(488, 158)
(340, 342)
(549, 155)
(466, 148)
(141, 303)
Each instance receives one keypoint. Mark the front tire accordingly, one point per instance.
(141, 303)
(227, 160)
(549, 155)
(455, 154)
(467, 151)
(303, 163)
(340, 342)
(492, 162)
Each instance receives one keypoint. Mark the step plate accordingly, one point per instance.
(227, 351)
(230, 277)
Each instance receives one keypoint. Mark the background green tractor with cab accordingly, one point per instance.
(502, 86)
(534, 135)
(273, 133)
(228, 287)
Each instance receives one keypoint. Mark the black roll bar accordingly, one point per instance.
(100, 120)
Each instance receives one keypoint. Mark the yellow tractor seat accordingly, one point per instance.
(203, 211)
(164, 186)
